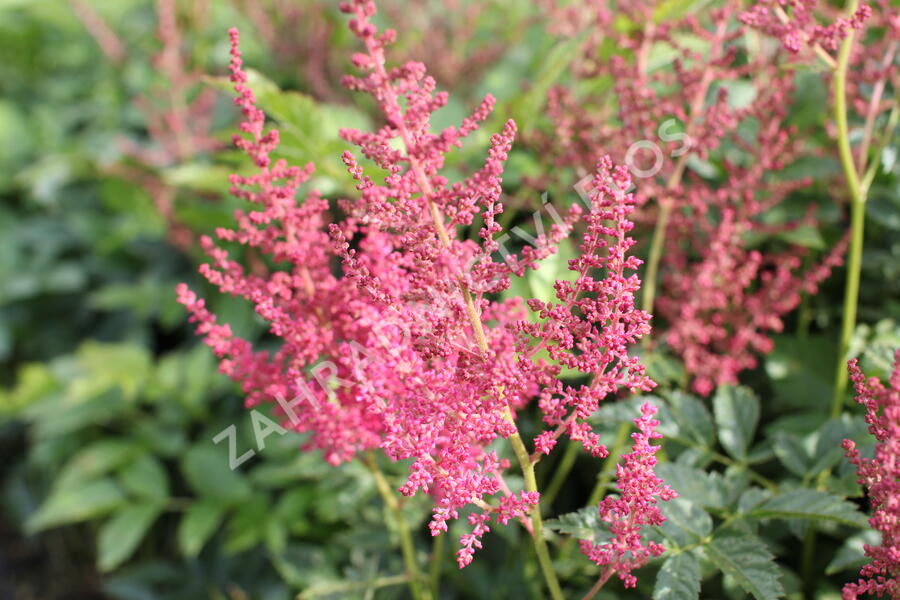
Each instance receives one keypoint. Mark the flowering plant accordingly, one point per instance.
(622, 389)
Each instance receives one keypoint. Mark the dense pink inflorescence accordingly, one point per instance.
(880, 476)
(303, 302)
(594, 321)
(796, 24)
(720, 298)
(636, 506)
(396, 316)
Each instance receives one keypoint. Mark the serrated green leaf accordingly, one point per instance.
(790, 451)
(679, 578)
(746, 559)
(737, 414)
(198, 524)
(810, 504)
(122, 533)
(685, 522)
(703, 489)
(584, 524)
(691, 418)
(77, 503)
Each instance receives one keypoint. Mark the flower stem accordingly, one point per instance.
(857, 216)
(540, 545)
(656, 246)
(609, 467)
(437, 555)
(559, 475)
(406, 543)
(604, 577)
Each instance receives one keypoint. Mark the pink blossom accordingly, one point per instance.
(720, 299)
(635, 507)
(880, 476)
(796, 24)
(398, 313)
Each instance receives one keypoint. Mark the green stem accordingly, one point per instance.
(870, 173)
(559, 476)
(537, 524)
(656, 247)
(609, 468)
(406, 543)
(857, 208)
(437, 556)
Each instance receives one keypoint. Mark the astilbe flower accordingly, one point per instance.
(871, 78)
(880, 476)
(634, 508)
(304, 303)
(594, 321)
(796, 24)
(717, 316)
(394, 307)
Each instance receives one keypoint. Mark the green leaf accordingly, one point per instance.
(737, 414)
(679, 578)
(121, 535)
(247, 527)
(206, 469)
(555, 266)
(584, 524)
(685, 522)
(852, 554)
(804, 235)
(95, 460)
(76, 503)
(790, 451)
(703, 489)
(810, 504)
(145, 477)
(746, 559)
(554, 63)
(200, 521)
(692, 421)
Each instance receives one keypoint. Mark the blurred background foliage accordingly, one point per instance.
(111, 484)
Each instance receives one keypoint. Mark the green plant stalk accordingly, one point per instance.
(854, 263)
(893, 117)
(437, 555)
(857, 218)
(406, 543)
(537, 524)
(559, 475)
(609, 468)
(653, 258)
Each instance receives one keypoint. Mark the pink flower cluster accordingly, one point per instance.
(796, 25)
(720, 298)
(880, 476)
(594, 321)
(636, 507)
(396, 315)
